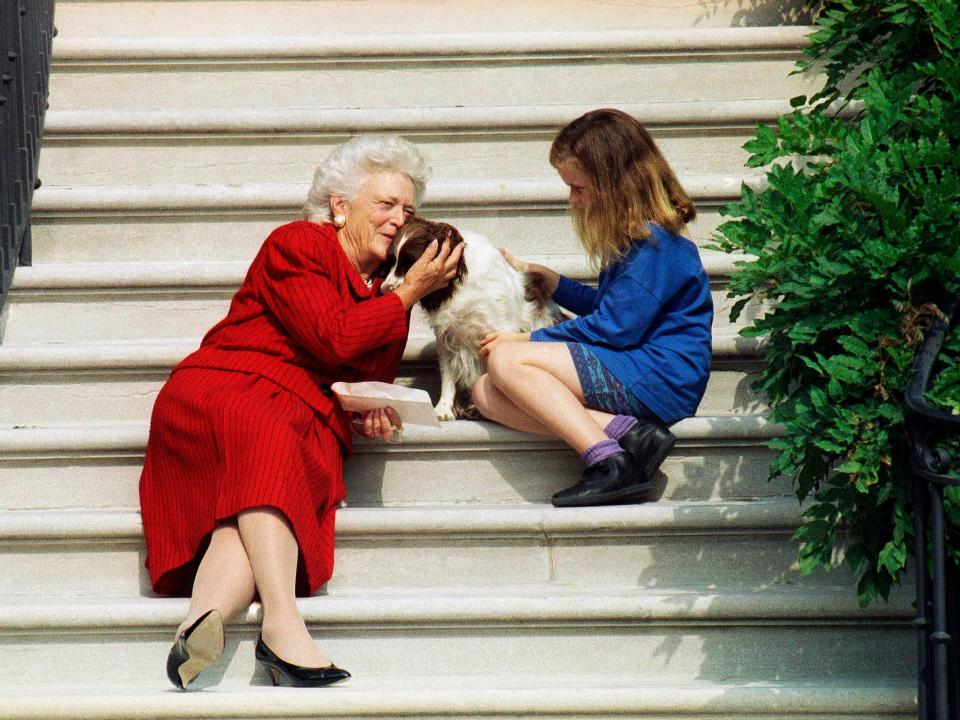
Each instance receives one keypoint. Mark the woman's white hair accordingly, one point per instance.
(348, 166)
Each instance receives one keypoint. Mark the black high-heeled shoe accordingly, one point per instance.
(284, 673)
(197, 648)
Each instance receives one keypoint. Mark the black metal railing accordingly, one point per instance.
(26, 34)
(938, 579)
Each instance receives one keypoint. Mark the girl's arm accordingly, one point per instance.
(620, 320)
(575, 297)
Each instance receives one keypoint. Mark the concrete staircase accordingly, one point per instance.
(179, 133)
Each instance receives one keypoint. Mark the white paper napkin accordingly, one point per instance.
(412, 405)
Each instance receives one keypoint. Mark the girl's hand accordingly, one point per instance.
(542, 275)
(381, 424)
(501, 336)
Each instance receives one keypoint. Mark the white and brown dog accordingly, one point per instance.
(487, 295)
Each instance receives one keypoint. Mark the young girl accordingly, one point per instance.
(638, 356)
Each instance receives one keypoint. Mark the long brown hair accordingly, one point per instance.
(632, 183)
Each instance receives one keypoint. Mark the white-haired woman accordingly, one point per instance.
(243, 471)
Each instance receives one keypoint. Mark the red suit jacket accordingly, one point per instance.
(304, 318)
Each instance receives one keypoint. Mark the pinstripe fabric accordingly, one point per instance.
(247, 421)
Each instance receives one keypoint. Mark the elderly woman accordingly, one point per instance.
(243, 471)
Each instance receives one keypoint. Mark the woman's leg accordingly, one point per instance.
(535, 387)
(273, 551)
(224, 578)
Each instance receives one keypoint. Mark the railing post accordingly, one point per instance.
(26, 32)
(930, 430)
(939, 637)
(922, 620)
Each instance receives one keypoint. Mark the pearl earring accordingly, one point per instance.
(339, 221)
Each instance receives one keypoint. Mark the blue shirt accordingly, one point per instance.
(649, 321)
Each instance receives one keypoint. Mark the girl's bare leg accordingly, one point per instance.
(534, 387)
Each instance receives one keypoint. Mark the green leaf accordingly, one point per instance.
(850, 467)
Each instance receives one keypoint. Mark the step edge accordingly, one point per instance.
(148, 274)
(152, 356)
(785, 39)
(774, 606)
(285, 196)
(129, 436)
(581, 695)
(418, 121)
(538, 521)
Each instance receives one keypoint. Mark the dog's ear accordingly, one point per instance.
(449, 231)
(456, 239)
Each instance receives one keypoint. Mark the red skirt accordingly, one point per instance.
(221, 442)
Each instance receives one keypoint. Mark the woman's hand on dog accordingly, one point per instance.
(501, 336)
(380, 424)
(432, 271)
(544, 277)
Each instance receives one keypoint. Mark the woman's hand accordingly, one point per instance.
(542, 275)
(381, 424)
(501, 336)
(432, 271)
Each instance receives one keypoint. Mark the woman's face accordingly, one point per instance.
(373, 217)
(581, 188)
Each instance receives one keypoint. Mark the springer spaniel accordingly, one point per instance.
(486, 295)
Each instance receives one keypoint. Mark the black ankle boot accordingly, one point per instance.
(649, 442)
(618, 479)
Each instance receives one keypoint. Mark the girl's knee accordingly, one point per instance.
(502, 361)
(480, 394)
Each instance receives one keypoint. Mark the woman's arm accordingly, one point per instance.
(298, 285)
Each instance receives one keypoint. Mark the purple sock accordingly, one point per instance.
(601, 451)
(619, 426)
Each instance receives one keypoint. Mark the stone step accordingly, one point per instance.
(98, 466)
(190, 234)
(440, 70)
(135, 147)
(111, 302)
(807, 634)
(229, 223)
(126, 391)
(665, 544)
(98, 19)
(588, 695)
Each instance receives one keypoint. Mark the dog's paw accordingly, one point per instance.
(469, 412)
(444, 412)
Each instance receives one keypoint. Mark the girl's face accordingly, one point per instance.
(581, 188)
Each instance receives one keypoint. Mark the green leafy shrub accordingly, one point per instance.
(856, 237)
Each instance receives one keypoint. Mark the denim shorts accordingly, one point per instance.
(601, 390)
